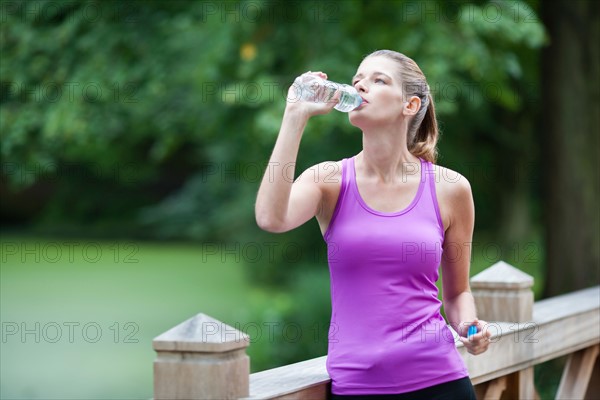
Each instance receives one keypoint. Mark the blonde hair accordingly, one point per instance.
(423, 130)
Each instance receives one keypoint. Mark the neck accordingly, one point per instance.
(385, 155)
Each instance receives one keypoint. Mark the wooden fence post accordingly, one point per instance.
(503, 293)
(201, 358)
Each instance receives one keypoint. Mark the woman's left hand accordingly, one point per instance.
(479, 342)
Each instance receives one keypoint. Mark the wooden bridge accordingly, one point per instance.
(203, 358)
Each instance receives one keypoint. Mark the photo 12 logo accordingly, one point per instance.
(69, 11)
(254, 12)
(71, 92)
(69, 251)
(68, 332)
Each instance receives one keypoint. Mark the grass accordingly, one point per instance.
(85, 312)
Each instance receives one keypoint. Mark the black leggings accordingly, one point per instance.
(460, 389)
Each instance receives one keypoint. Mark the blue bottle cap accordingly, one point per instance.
(472, 331)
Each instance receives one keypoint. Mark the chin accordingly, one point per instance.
(359, 120)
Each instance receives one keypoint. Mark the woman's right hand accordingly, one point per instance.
(309, 108)
(284, 202)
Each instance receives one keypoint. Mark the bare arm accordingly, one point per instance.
(458, 300)
(281, 203)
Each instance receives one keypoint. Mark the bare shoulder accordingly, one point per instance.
(451, 185)
(325, 174)
(454, 196)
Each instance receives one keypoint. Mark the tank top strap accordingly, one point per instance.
(346, 180)
(430, 178)
(347, 176)
(348, 168)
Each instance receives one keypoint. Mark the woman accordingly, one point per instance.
(389, 219)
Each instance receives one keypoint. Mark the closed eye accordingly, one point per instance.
(376, 80)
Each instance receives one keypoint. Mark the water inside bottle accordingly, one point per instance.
(349, 99)
(309, 87)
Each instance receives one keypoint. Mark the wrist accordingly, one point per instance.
(462, 327)
(296, 117)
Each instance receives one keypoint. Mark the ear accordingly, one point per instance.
(412, 106)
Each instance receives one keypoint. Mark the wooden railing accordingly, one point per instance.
(203, 358)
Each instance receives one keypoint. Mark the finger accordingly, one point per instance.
(481, 346)
(488, 334)
(480, 338)
(481, 324)
(475, 347)
(336, 97)
(481, 349)
(484, 328)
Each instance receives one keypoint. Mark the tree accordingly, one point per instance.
(193, 94)
(571, 96)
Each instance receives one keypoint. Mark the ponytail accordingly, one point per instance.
(424, 143)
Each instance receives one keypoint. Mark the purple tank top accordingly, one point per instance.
(387, 335)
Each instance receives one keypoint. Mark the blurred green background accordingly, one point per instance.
(134, 136)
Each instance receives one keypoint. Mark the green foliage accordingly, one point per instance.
(157, 119)
(294, 324)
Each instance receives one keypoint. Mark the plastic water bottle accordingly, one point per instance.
(313, 88)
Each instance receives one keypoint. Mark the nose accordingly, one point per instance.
(360, 86)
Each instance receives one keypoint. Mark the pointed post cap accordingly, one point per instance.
(201, 333)
(501, 276)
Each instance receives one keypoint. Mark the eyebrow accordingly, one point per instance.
(374, 73)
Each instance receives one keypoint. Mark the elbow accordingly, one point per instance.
(269, 224)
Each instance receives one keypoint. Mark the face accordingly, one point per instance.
(378, 82)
